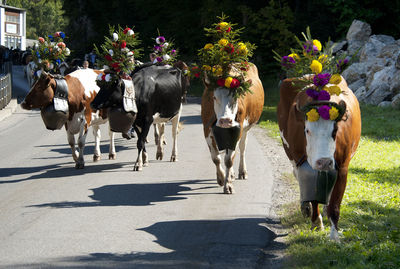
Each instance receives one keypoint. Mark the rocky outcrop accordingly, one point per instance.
(375, 76)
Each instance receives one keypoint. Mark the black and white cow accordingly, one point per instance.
(159, 92)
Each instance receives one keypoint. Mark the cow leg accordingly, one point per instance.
(316, 218)
(112, 155)
(97, 138)
(158, 134)
(71, 142)
(216, 158)
(141, 145)
(242, 163)
(175, 123)
(230, 174)
(80, 164)
(335, 201)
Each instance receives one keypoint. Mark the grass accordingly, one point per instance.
(370, 211)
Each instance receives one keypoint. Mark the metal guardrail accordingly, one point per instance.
(5, 84)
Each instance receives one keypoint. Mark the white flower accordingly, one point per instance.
(158, 41)
(99, 76)
(105, 67)
(67, 52)
(166, 45)
(38, 73)
(111, 52)
(166, 57)
(129, 53)
(126, 50)
(115, 37)
(108, 77)
(131, 32)
(51, 65)
(36, 45)
(40, 60)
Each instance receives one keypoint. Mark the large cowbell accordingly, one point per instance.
(315, 185)
(122, 118)
(226, 138)
(55, 115)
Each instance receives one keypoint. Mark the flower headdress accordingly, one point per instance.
(225, 61)
(50, 52)
(164, 51)
(117, 54)
(312, 58)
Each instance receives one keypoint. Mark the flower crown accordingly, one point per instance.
(225, 61)
(50, 52)
(326, 69)
(325, 110)
(117, 54)
(164, 51)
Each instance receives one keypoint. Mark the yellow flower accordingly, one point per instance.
(223, 42)
(333, 90)
(316, 67)
(294, 56)
(322, 58)
(222, 24)
(206, 67)
(335, 79)
(217, 70)
(333, 113)
(242, 48)
(208, 46)
(228, 82)
(312, 115)
(317, 44)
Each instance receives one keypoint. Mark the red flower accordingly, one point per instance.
(108, 57)
(115, 65)
(197, 75)
(228, 30)
(229, 48)
(235, 83)
(126, 30)
(221, 82)
(103, 77)
(123, 44)
(57, 34)
(115, 45)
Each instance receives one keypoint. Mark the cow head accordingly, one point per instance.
(321, 133)
(109, 95)
(41, 93)
(225, 108)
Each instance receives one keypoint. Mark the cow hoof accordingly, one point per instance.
(145, 164)
(137, 168)
(242, 175)
(228, 189)
(159, 156)
(96, 158)
(306, 209)
(126, 136)
(112, 156)
(79, 165)
(174, 159)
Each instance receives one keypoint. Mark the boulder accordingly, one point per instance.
(360, 93)
(373, 47)
(359, 31)
(358, 84)
(385, 104)
(354, 72)
(396, 101)
(377, 93)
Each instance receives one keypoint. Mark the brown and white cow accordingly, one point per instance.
(82, 89)
(324, 144)
(220, 108)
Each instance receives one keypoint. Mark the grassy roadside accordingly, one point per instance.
(370, 211)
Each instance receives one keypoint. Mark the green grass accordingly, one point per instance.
(370, 211)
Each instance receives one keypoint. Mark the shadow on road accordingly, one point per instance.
(236, 243)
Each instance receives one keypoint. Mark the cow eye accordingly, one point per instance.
(307, 131)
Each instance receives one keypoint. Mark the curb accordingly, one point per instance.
(9, 109)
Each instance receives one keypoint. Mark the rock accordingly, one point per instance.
(359, 31)
(354, 72)
(397, 63)
(396, 101)
(395, 83)
(354, 47)
(360, 93)
(339, 46)
(377, 93)
(385, 104)
(374, 46)
(389, 51)
(356, 85)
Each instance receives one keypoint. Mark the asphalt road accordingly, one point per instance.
(170, 215)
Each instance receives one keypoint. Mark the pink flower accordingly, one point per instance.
(41, 40)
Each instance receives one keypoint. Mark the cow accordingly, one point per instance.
(220, 109)
(326, 145)
(82, 89)
(159, 92)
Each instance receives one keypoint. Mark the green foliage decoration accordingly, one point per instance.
(225, 61)
(117, 54)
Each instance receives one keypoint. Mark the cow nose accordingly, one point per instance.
(324, 164)
(225, 122)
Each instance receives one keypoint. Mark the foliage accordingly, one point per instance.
(42, 16)
(117, 53)
(50, 52)
(370, 215)
(225, 61)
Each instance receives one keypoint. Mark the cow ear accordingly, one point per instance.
(342, 111)
(206, 80)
